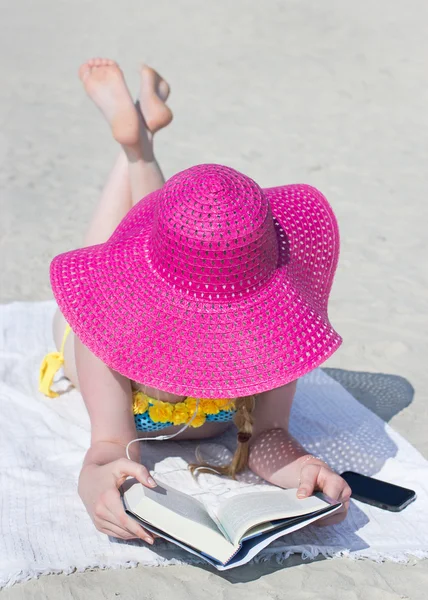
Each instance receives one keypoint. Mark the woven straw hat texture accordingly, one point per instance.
(210, 287)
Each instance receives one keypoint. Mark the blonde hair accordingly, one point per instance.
(244, 422)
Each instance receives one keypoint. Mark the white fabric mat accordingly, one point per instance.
(44, 527)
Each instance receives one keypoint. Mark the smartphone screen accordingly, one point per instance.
(379, 493)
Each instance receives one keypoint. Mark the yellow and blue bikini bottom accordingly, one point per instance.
(149, 414)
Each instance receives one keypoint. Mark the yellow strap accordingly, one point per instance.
(51, 363)
(64, 338)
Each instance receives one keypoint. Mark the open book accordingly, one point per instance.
(228, 533)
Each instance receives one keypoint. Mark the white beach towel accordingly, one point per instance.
(44, 527)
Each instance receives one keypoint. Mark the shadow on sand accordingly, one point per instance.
(385, 395)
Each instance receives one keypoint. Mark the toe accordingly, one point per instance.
(84, 70)
(147, 71)
(162, 90)
(148, 79)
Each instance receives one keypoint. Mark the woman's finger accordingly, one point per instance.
(346, 494)
(134, 528)
(335, 518)
(123, 468)
(128, 529)
(114, 512)
(334, 486)
(109, 517)
(110, 529)
(308, 480)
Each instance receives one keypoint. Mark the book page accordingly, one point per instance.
(240, 512)
(179, 515)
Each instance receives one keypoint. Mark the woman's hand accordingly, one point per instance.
(317, 476)
(99, 491)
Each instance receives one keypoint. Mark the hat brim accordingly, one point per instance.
(143, 327)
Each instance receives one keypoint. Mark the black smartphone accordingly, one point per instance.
(378, 493)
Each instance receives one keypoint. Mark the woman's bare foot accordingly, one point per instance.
(154, 92)
(105, 85)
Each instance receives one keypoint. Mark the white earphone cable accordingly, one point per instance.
(163, 437)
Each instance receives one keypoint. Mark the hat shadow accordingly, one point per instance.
(385, 395)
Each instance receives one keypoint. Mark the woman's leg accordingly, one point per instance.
(136, 172)
(115, 201)
(104, 83)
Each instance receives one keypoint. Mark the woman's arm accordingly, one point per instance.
(108, 398)
(277, 457)
(274, 454)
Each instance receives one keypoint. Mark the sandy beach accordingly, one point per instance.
(330, 94)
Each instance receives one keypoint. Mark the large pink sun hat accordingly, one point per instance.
(210, 287)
